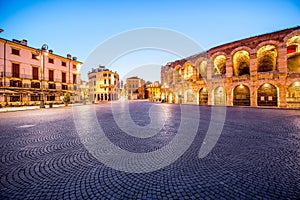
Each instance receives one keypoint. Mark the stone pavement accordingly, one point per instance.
(256, 157)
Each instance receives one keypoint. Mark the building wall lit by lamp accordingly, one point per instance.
(43, 53)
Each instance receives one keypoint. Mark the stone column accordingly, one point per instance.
(253, 95)
(253, 63)
(210, 95)
(282, 58)
(282, 97)
(229, 67)
(209, 70)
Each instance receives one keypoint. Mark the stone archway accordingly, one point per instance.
(241, 96)
(293, 95)
(203, 96)
(202, 69)
(219, 96)
(189, 96)
(293, 54)
(241, 63)
(267, 95)
(267, 58)
(220, 65)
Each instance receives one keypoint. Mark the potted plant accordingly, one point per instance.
(66, 99)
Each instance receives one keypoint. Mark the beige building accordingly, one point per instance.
(257, 71)
(135, 88)
(103, 85)
(31, 76)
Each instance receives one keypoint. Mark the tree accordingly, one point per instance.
(66, 98)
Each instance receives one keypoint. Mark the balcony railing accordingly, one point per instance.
(107, 85)
(31, 77)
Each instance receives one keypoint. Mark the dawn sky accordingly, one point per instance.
(78, 27)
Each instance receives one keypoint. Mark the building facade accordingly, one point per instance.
(257, 71)
(154, 91)
(31, 76)
(104, 85)
(135, 88)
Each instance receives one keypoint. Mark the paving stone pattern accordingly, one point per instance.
(257, 157)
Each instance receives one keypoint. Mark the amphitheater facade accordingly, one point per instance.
(258, 71)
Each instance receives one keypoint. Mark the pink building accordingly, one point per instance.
(31, 76)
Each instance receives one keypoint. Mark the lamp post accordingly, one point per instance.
(43, 53)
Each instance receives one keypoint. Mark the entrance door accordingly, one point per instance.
(203, 96)
(267, 95)
(219, 96)
(241, 96)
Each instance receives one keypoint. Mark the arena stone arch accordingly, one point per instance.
(203, 96)
(293, 53)
(293, 95)
(241, 63)
(219, 96)
(267, 95)
(267, 58)
(219, 65)
(241, 95)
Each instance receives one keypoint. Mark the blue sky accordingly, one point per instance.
(78, 27)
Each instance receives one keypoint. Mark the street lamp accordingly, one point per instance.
(43, 53)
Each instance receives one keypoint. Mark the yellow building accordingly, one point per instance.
(258, 71)
(103, 85)
(31, 76)
(154, 91)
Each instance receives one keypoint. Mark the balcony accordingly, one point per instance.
(107, 85)
(17, 75)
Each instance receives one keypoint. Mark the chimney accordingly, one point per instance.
(50, 51)
(24, 42)
(69, 56)
(75, 58)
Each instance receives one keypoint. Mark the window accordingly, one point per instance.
(15, 52)
(51, 98)
(51, 60)
(74, 66)
(35, 85)
(292, 49)
(63, 64)
(51, 75)
(63, 77)
(15, 70)
(14, 98)
(104, 81)
(35, 73)
(15, 83)
(64, 87)
(34, 98)
(109, 82)
(74, 78)
(51, 86)
(34, 56)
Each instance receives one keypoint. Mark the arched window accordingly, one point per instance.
(220, 65)
(266, 58)
(241, 63)
(202, 67)
(293, 54)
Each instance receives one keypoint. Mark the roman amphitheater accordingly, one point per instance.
(258, 71)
